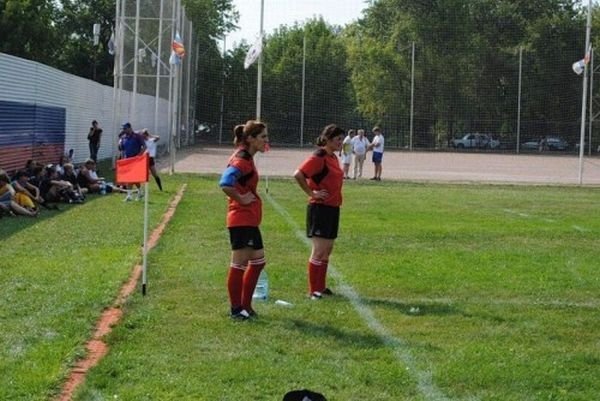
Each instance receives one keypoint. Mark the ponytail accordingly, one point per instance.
(329, 132)
(242, 131)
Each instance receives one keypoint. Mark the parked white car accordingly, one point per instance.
(475, 141)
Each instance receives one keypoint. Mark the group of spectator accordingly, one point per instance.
(355, 146)
(26, 191)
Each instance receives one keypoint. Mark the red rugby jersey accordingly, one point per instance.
(244, 215)
(323, 172)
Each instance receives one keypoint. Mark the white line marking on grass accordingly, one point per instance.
(527, 215)
(580, 229)
(401, 349)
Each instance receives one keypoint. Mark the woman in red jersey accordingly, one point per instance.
(239, 182)
(321, 178)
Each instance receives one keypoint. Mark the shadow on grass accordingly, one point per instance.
(416, 309)
(430, 309)
(353, 338)
(10, 225)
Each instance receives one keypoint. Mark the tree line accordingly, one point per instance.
(471, 57)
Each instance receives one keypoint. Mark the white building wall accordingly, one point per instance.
(84, 100)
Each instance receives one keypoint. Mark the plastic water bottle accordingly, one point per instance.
(261, 291)
(102, 188)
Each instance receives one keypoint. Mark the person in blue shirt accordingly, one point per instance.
(132, 144)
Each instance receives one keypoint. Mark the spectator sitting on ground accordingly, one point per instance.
(54, 189)
(88, 178)
(30, 166)
(8, 203)
(60, 167)
(71, 176)
(27, 194)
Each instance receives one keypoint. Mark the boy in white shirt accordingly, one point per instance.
(377, 146)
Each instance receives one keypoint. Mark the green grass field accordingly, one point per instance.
(444, 292)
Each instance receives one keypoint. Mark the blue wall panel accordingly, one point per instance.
(30, 131)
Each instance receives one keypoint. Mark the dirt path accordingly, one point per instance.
(548, 168)
(96, 347)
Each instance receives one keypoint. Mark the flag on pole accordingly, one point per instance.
(177, 46)
(177, 50)
(111, 44)
(579, 66)
(133, 170)
(253, 53)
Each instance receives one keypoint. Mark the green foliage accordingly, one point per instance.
(467, 59)
(28, 29)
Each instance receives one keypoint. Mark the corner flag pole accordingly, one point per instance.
(259, 78)
(145, 254)
(585, 85)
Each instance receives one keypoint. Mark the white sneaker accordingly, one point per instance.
(316, 295)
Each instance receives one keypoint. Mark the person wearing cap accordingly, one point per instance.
(150, 141)
(321, 178)
(94, 140)
(239, 181)
(132, 144)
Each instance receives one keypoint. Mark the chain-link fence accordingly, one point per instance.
(145, 31)
(515, 100)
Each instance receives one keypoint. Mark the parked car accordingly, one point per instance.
(556, 143)
(475, 141)
(531, 145)
(550, 143)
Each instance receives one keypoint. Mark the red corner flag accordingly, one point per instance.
(133, 170)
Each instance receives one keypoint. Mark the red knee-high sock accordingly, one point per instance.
(316, 278)
(235, 279)
(255, 266)
(323, 277)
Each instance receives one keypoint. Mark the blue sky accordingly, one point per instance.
(286, 12)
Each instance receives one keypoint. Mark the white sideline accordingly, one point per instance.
(401, 350)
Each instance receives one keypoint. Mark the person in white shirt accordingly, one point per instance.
(346, 153)
(150, 141)
(377, 146)
(360, 146)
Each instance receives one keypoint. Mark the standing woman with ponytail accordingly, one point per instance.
(239, 182)
(321, 178)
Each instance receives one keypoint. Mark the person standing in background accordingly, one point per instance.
(94, 140)
(377, 145)
(132, 144)
(321, 178)
(346, 153)
(360, 145)
(150, 141)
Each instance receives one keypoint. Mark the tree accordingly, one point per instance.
(28, 29)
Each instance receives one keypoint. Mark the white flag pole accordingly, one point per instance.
(585, 85)
(145, 252)
(260, 62)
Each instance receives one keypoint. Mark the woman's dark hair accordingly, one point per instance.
(94, 122)
(243, 131)
(329, 132)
